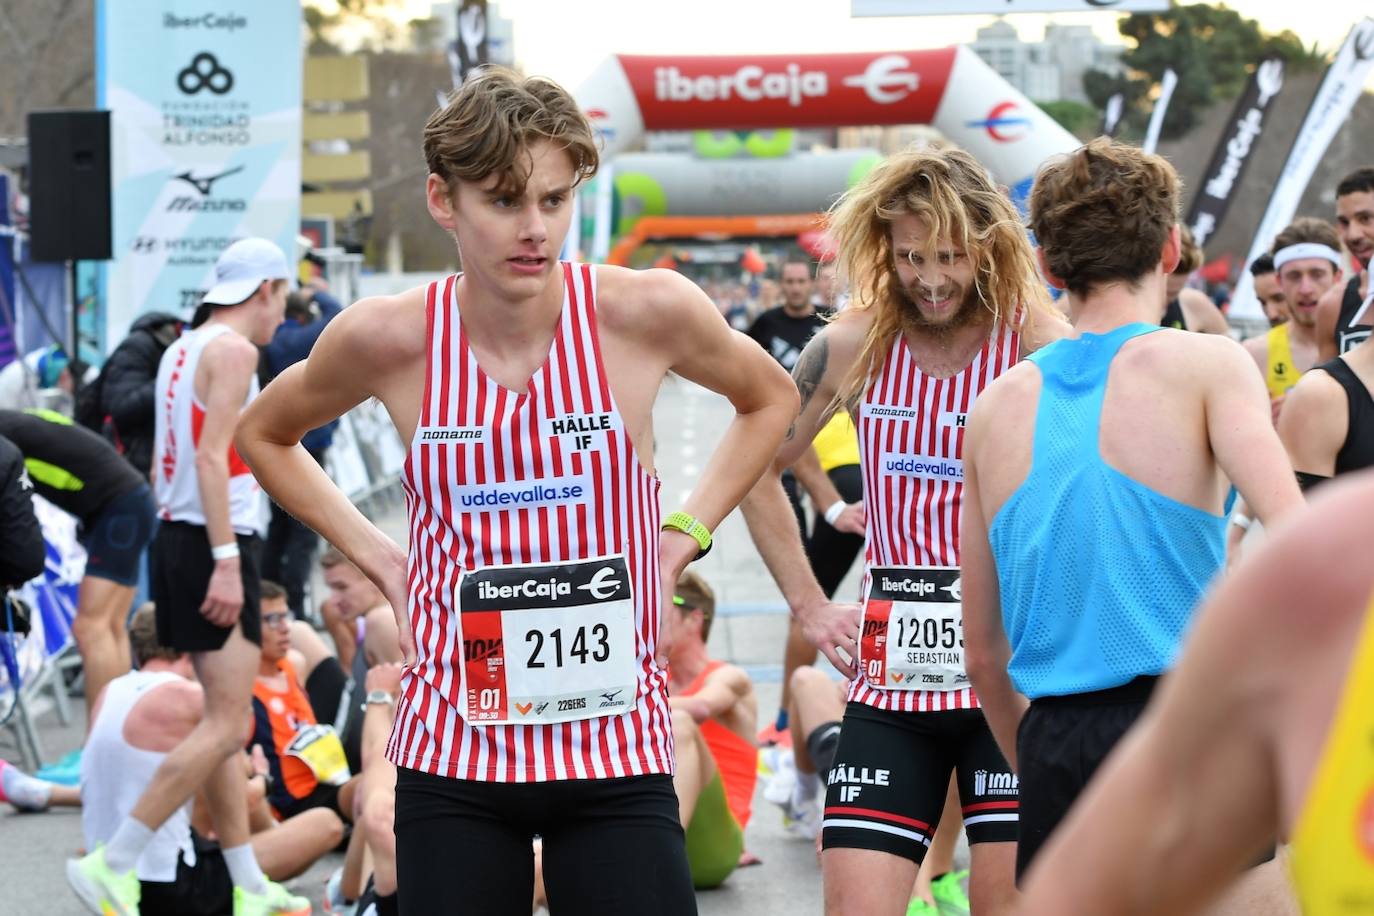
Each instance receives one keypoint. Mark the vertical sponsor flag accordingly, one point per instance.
(1339, 90)
(205, 141)
(1111, 114)
(469, 51)
(1238, 140)
(1166, 92)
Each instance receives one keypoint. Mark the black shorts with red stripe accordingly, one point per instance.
(887, 788)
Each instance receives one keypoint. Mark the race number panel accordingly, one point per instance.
(913, 629)
(319, 747)
(547, 643)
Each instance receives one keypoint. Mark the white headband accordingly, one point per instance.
(1306, 250)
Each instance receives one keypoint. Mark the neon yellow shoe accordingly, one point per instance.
(948, 891)
(278, 901)
(100, 889)
(918, 907)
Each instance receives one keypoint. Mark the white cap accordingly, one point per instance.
(242, 267)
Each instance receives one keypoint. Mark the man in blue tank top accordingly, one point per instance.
(1098, 474)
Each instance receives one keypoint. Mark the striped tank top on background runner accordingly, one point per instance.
(497, 483)
(911, 438)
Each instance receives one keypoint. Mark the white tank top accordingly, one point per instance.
(114, 774)
(179, 417)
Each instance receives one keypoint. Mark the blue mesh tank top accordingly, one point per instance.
(1099, 574)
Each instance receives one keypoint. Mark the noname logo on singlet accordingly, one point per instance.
(524, 494)
(451, 435)
(951, 469)
(576, 431)
(550, 586)
(985, 783)
(946, 419)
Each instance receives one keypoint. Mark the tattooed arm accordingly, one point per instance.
(818, 376)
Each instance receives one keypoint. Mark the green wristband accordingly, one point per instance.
(681, 521)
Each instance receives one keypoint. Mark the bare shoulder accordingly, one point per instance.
(645, 301)
(732, 676)
(231, 352)
(174, 700)
(386, 328)
(1013, 393)
(1042, 329)
(844, 337)
(1201, 313)
(1313, 403)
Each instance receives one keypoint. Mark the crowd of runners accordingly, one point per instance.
(1069, 643)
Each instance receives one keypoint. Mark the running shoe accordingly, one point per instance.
(948, 891)
(66, 772)
(918, 907)
(771, 736)
(21, 790)
(278, 901)
(800, 816)
(100, 889)
(334, 902)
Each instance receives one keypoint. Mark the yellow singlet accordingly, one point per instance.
(837, 444)
(1333, 846)
(1282, 374)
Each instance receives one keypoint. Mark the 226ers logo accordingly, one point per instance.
(548, 642)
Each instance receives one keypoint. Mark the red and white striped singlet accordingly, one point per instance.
(913, 514)
(487, 484)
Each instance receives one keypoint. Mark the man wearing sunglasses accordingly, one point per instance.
(715, 713)
(305, 758)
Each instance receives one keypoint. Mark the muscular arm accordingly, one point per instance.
(1314, 423)
(351, 362)
(227, 364)
(1242, 435)
(769, 516)
(987, 651)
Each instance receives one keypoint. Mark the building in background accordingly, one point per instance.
(1051, 69)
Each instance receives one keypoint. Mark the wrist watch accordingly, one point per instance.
(377, 697)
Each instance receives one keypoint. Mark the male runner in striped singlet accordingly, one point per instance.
(1097, 472)
(535, 580)
(1264, 727)
(945, 298)
(1343, 321)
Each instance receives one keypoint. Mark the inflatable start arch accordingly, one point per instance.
(949, 88)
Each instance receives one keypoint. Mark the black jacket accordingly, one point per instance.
(127, 382)
(22, 552)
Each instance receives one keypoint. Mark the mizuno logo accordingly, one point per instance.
(203, 185)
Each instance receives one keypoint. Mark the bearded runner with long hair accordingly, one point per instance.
(945, 298)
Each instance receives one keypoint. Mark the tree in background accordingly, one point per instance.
(339, 26)
(1211, 47)
(1077, 118)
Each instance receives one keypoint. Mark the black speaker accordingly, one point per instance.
(69, 185)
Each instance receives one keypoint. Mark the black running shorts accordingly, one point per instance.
(1059, 745)
(612, 847)
(887, 788)
(203, 889)
(181, 569)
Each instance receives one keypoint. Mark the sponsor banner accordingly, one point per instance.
(205, 141)
(1000, 7)
(524, 494)
(1341, 87)
(1234, 147)
(630, 94)
(1167, 85)
(802, 90)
